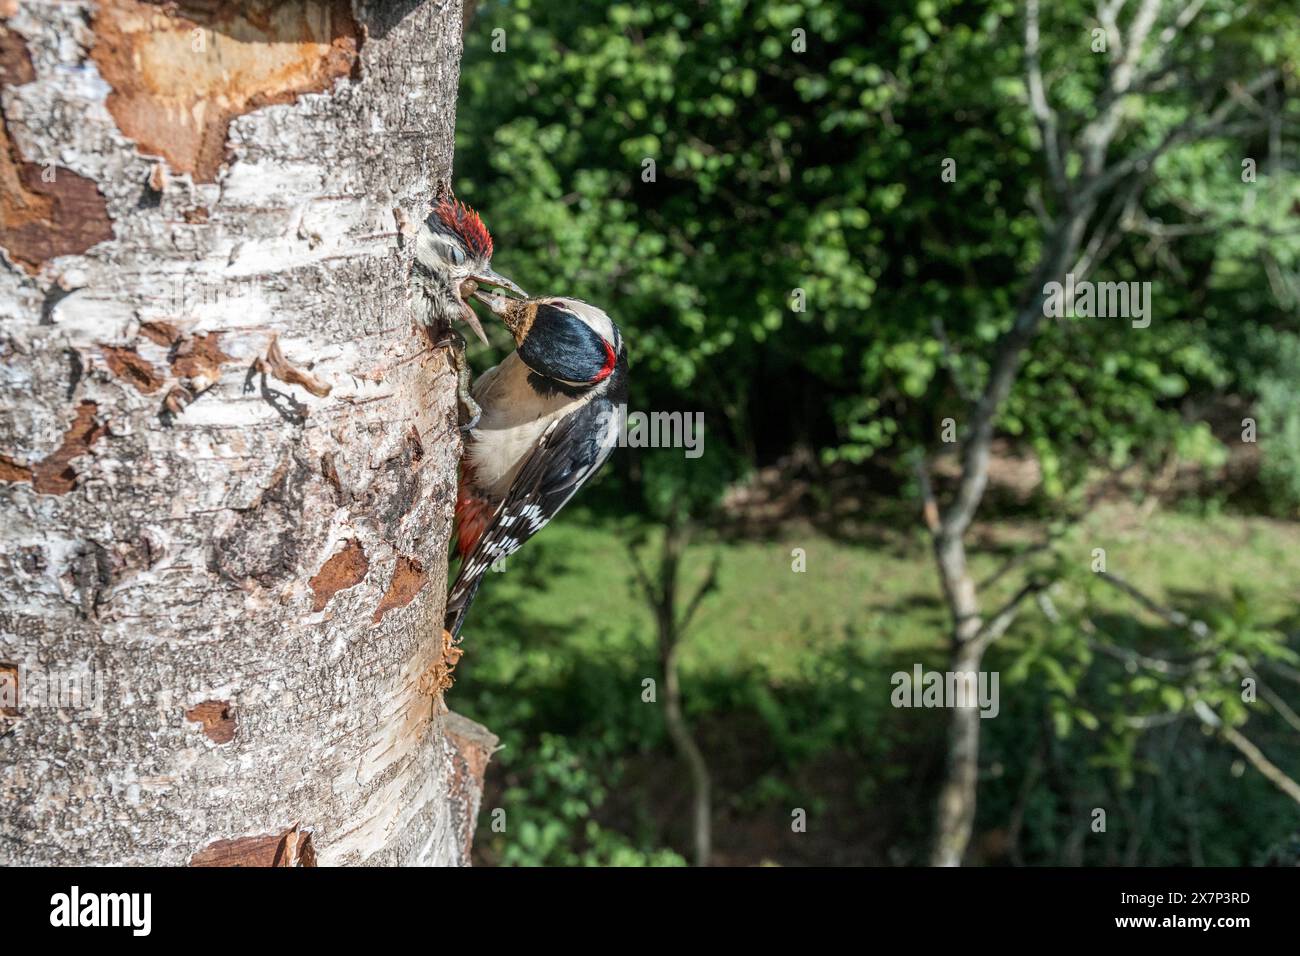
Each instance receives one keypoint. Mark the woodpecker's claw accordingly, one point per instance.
(470, 425)
(467, 407)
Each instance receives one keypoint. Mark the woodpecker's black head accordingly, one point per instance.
(564, 340)
(453, 256)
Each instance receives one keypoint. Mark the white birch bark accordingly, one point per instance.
(227, 453)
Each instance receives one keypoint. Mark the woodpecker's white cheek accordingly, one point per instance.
(424, 249)
(432, 252)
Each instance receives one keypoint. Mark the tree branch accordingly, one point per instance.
(929, 506)
(949, 354)
(1167, 614)
(1202, 709)
(1189, 131)
(1006, 363)
(1097, 135)
(1044, 115)
(647, 586)
(709, 584)
(1279, 705)
(1271, 771)
(997, 625)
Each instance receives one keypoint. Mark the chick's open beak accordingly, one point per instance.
(467, 314)
(470, 287)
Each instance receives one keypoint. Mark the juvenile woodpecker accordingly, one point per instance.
(453, 256)
(550, 418)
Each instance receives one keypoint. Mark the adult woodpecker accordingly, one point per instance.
(453, 256)
(550, 418)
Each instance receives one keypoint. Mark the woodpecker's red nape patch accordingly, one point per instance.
(465, 222)
(610, 361)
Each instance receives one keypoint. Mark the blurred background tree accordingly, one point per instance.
(757, 192)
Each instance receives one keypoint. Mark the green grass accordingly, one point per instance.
(576, 582)
(1177, 556)
(763, 614)
(786, 677)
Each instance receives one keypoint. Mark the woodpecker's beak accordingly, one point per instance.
(515, 313)
(488, 276)
(485, 276)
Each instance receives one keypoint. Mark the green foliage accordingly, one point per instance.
(1106, 697)
(558, 795)
(1279, 426)
(787, 681)
(820, 171)
(782, 177)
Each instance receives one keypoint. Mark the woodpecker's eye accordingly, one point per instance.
(455, 255)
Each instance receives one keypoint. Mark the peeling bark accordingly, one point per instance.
(180, 75)
(127, 364)
(218, 721)
(408, 580)
(291, 848)
(346, 568)
(227, 454)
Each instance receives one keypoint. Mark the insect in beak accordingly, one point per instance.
(470, 287)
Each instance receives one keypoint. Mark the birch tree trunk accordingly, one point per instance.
(227, 453)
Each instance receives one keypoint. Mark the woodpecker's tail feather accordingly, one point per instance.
(458, 602)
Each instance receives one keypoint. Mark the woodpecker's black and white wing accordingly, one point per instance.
(567, 455)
